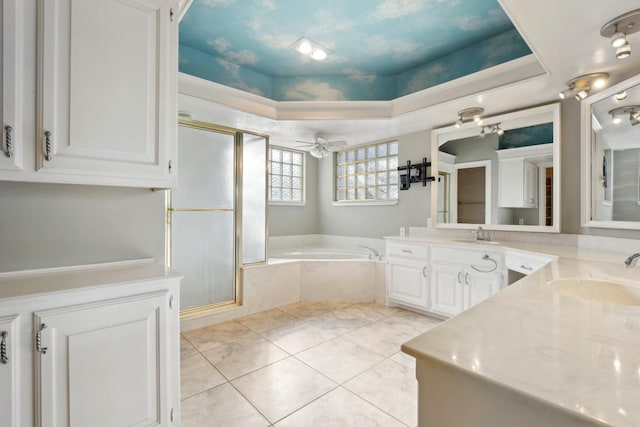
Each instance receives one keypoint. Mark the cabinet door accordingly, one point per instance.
(446, 289)
(11, 22)
(106, 363)
(107, 91)
(510, 183)
(530, 185)
(408, 282)
(9, 372)
(480, 286)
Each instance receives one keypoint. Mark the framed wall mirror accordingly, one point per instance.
(502, 173)
(610, 133)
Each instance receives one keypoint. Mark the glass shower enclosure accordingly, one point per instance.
(217, 213)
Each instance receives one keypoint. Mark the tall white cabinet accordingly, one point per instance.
(11, 94)
(90, 347)
(104, 87)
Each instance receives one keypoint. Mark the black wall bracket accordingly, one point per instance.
(419, 175)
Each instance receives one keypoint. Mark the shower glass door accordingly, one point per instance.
(202, 215)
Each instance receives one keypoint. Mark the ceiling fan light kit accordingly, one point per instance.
(321, 147)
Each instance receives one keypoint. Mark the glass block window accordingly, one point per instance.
(286, 175)
(368, 173)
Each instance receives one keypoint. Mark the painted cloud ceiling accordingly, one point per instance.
(382, 49)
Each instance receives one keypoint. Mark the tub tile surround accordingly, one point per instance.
(300, 382)
(282, 282)
(570, 357)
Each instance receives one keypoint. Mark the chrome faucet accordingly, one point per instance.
(631, 260)
(480, 233)
(374, 253)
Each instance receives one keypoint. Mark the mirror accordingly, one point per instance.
(503, 175)
(611, 157)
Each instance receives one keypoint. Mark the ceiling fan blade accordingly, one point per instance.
(304, 147)
(306, 142)
(335, 145)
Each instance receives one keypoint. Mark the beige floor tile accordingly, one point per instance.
(339, 359)
(305, 310)
(186, 349)
(217, 335)
(404, 359)
(339, 408)
(279, 389)
(220, 406)
(419, 321)
(298, 336)
(371, 311)
(338, 321)
(337, 304)
(267, 320)
(383, 338)
(197, 375)
(243, 356)
(391, 387)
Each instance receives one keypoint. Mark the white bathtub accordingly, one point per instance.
(322, 253)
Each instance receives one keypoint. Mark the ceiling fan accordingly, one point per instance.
(321, 146)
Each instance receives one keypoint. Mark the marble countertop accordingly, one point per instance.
(571, 353)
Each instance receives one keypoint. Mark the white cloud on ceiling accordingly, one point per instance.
(326, 22)
(421, 79)
(223, 47)
(234, 70)
(273, 40)
(218, 3)
(392, 9)
(476, 23)
(310, 90)
(268, 4)
(360, 75)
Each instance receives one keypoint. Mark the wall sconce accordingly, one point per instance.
(581, 86)
(632, 110)
(310, 48)
(470, 114)
(618, 29)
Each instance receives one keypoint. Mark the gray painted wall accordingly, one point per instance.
(291, 220)
(52, 225)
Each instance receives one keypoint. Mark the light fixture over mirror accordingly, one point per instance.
(611, 157)
(507, 180)
(618, 29)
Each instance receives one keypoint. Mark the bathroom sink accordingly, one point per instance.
(597, 290)
(478, 242)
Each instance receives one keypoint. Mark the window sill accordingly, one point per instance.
(366, 203)
(275, 203)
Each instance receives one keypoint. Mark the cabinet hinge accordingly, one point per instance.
(171, 302)
(171, 14)
(170, 167)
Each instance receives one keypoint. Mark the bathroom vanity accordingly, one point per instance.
(90, 346)
(540, 351)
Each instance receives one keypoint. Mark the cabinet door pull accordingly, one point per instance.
(39, 347)
(8, 149)
(47, 146)
(526, 267)
(4, 359)
(466, 278)
(407, 251)
(424, 271)
(460, 277)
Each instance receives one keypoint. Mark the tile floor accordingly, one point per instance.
(305, 364)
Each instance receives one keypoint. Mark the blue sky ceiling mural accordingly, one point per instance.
(381, 49)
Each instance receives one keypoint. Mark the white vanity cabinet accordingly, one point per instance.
(408, 274)
(99, 98)
(9, 372)
(462, 278)
(517, 183)
(96, 347)
(12, 73)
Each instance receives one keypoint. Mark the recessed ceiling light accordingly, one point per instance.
(310, 48)
(319, 54)
(304, 48)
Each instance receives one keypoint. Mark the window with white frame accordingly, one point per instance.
(368, 173)
(286, 175)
